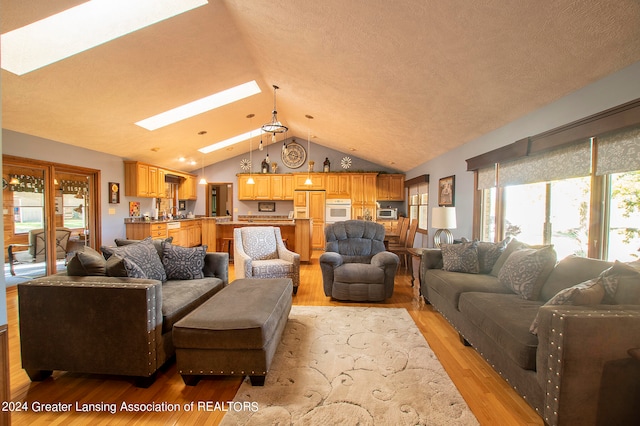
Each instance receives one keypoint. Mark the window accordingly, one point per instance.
(28, 211)
(623, 227)
(549, 199)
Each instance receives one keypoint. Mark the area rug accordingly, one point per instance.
(351, 365)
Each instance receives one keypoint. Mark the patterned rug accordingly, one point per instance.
(351, 365)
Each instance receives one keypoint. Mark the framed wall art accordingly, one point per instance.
(267, 207)
(446, 191)
(114, 193)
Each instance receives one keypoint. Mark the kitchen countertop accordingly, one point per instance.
(260, 223)
(141, 220)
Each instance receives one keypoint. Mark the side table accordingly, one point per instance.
(415, 252)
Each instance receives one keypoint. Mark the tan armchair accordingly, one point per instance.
(36, 247)
(259, 252)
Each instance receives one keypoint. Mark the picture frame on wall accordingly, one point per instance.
(267, 207)
(446, 191)
(114, 193)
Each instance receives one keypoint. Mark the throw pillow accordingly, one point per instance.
(526, 270)
(133, 270)
(86, 262)
(460, 257)
(589, 292)
(512, 246)
(622, 283)
(115, 267)
(157, 243)
(183, 263)
(143, 254)
(488, 254)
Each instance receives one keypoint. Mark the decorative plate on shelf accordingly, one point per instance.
(245, 164)
(295, 156)
(346, 162)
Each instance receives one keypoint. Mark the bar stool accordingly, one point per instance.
(228, 242)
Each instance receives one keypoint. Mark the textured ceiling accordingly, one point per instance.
(399, 82)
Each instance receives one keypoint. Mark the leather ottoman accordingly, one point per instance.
(236, 332)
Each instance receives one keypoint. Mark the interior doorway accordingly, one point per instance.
(219, 199)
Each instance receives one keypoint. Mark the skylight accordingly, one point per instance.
(201, 105)
(81, 28)
(231, 141)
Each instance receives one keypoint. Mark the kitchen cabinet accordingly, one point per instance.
(146, 180)
(260, 190)
(185, 233)
(317, 179)
(281, 187)
(363, 195)
(390, 187)
(338, 185)
(142, 230)
(188, 188)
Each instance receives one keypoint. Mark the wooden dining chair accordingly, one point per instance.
(409, 238)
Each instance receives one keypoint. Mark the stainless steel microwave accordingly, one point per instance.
(387, 214)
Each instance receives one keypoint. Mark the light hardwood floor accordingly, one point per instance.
(490, 398)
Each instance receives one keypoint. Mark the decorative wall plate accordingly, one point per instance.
(245, 164)
(295, 157)
(346, 162)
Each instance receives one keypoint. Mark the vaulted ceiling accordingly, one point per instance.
(399, 82)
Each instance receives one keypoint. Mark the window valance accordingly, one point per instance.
(563, 163)
(619, 151)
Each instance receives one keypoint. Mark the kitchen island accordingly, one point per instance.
(217, 232)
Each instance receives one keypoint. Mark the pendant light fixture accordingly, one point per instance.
(274, 126)
(250, 181)
(308, 181)
(203, 181)
(285, 148)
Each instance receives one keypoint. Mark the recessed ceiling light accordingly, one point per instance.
(201, 105)
(181, 159)
(81, 28)
(231, 141)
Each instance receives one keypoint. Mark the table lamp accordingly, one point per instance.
(443, 218)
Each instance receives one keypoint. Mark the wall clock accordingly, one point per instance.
(295, 156)
(245, 164)
(346, 162)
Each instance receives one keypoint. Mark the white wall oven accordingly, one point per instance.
(337, 210)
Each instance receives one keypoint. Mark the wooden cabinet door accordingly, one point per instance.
(370, 188)
(316, 213)
(153, 181)
(277, 187)
(287, 187)
(245, 191)
(338, 185)
(262, 187)
(390, 187)
(143, 180)
(300, 199)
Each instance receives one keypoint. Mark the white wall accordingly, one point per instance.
(613, 90)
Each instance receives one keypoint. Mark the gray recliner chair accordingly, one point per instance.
(356, 265)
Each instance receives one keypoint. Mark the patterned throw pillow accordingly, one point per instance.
(526, 270)
(488, 254)
(182, 263)
(460, 257)
(144, 255)
(133, 270)
(589, 292)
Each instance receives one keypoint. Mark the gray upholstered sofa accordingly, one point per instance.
(355, 265)
(577, 369)
(119, 325)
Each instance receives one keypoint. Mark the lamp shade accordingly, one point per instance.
(443, 217)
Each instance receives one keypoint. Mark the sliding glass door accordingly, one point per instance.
(49, 212)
